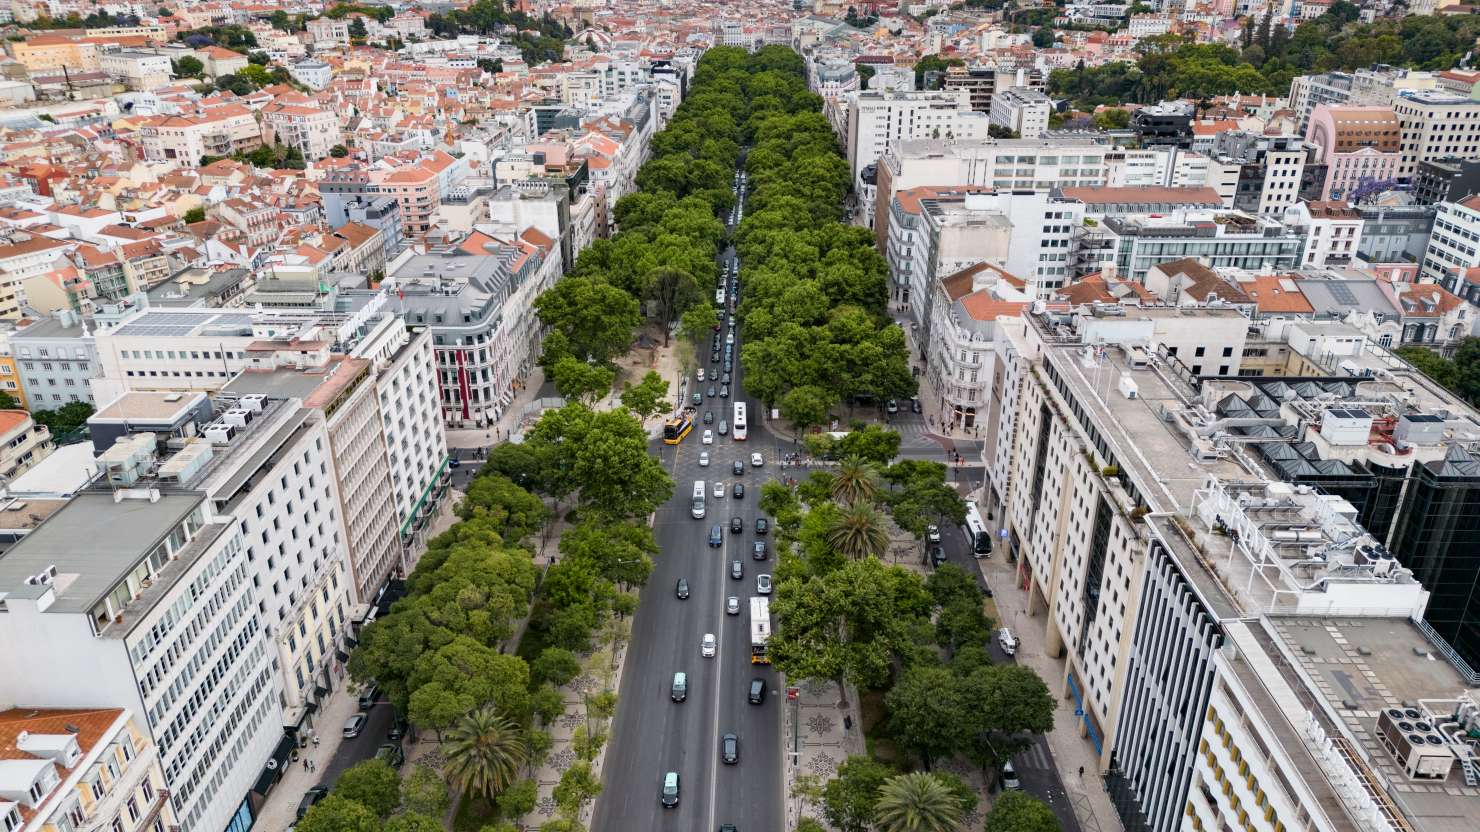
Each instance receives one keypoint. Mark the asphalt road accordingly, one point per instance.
(652, 734)
(360, 748)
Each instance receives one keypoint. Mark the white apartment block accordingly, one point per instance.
(141, 598)
(1454, 242)
(312, 130)
(959, 340)
(1023, 110)
(1435, 124)
(880, 120)
(139, 71)
(184, 139)
(1333, 232)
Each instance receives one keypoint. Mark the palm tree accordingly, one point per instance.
(916, 802)
(859, 532)
(855, 481)
(484, 752)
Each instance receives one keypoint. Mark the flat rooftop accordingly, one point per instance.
(1360, 666)
(93, 542)
(1153, 452)
(159, 406)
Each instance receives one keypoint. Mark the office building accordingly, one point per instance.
(1455, 241)
(1435, 125)
(1167, 123)
(1241, 638)
(1450, 179)
(1220, 239)
(106, 595)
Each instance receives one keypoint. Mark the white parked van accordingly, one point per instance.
(1007, 641)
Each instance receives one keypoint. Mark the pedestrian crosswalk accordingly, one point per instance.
(1035, 757)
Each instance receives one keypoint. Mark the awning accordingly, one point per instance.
(319, 690)
(341, 655)
(311, 708)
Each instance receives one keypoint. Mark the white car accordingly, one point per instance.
(708, 646)
(732, 605)
(709, 437)
(719, 490)
(703, 459)
(730, 337)
(763, 584)
(701, 374)
(756, 460)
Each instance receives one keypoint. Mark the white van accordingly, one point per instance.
(1007, 641)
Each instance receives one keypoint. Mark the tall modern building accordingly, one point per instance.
(1244, 621)
(879, 120)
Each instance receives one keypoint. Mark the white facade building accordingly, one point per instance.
(1022, 110)
(1455, 241)
(880, 120)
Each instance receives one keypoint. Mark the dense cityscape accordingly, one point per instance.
(753, 416)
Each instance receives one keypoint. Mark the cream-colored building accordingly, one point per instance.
(79, 769)
(23, 443)
(184, 139)
(45, 54)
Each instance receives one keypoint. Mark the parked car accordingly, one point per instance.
(398, 729)
(1010, 778)
(932, 533)
(355, 724)
(310, 797)
(891, 406)
(1007, 641)
(370, 695)
(391, 753)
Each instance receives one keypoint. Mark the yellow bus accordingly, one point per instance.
(675, 429)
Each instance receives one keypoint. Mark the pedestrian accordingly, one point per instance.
(316, 741)
(1081, 772)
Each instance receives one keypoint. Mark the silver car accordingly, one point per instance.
(355, 724)
(732, 605)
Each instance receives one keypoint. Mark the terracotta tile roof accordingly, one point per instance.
(1276, 293)
(91, 726)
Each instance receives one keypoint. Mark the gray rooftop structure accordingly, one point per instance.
(94, 543)
(1337, 298)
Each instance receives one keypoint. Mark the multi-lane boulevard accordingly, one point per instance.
(652, 734)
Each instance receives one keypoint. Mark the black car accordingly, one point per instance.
(761, 526)
(716, 536)
(310, 797)
(739, 491)
(398, 730)
(683, 589)
(737, 569)
(738, 468)
(758, 550)
(709, 417)
(729, 749)
(937, 556)
(915, 406)
(736, 525)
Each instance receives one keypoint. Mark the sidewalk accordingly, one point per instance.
(1071, 750)
(280, 810)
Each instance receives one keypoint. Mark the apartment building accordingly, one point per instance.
(186, 138)
(1455, 241)
(1274, 172)
(328, 33)
(1435, 125)
(56, 359)
(23, 443)
(1374, 86)
(106, 594)
(1395, 233)
(879, 120)
(1359, 147)
(417, 186)
(982, 83)
(22, 259)
(10, 377)
(44, 54)
(1333, 233)
(139, 71)
(80, 768)
(958, 342)
(313, 130)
